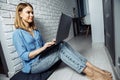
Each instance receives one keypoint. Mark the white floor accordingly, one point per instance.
(95, 54)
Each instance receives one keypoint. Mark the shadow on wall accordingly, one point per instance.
(48, 28)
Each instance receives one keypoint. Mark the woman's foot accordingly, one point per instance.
(99, 70)
(104, 72)
(95, 75)
(100, 76)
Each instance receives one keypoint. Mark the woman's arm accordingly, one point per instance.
(38, 51)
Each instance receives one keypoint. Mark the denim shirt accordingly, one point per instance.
(24, 44)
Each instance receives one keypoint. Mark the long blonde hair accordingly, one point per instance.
(18, 21)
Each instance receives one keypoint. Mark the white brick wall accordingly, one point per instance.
(47, 14)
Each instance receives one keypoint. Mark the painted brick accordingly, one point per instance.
(8, 28)
(9, 42)
(14, 2)
(4, 13)
(3, 1)
(47, 14)
(8, 35)
(8, 21)
(34, 2)
(12, 50)
(4, 6)
(12, 14)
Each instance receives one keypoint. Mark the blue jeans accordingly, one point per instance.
(66, 53)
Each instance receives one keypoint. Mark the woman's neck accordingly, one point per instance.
(31, 31)
(28, 27)
(26, 24)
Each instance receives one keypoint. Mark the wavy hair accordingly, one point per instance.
(18, 21)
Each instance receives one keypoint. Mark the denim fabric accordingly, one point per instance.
(66, 53)
(24, 44)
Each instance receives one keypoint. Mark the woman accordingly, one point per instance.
(29, 44)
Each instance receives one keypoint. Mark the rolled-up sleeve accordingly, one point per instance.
(20, 47)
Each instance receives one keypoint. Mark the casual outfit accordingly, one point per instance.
(25, 43)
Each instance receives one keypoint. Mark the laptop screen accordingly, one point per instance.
(63, 28)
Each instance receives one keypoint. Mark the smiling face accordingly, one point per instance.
(24, 17)
(27, 15)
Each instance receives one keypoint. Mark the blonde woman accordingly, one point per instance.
(29, 44)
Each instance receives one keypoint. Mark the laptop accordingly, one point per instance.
(63, 30)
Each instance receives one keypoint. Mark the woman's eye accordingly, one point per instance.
(29, 12)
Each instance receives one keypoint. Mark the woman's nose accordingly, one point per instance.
(31, 14)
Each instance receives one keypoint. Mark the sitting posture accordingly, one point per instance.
(29, 44)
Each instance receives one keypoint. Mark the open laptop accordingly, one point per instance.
(63, 30)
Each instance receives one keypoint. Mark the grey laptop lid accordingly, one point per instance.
(63, 28)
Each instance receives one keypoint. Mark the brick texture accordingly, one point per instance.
(47, 14)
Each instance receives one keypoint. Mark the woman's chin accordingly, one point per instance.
(30, 21)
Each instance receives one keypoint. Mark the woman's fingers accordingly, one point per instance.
(50, 43)
(54, 40)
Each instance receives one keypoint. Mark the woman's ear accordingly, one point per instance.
(20, 13)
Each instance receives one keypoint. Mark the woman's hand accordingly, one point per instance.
(38, 51)
(54, 40)
(48, 44)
